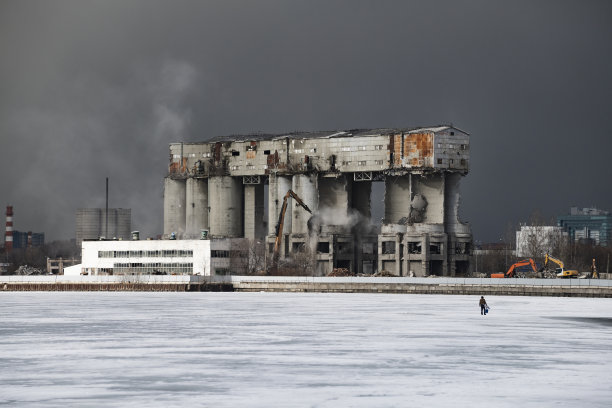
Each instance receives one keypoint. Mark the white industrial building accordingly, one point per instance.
(541, 239)
(149, 257)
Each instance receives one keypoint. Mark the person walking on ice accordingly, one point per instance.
(484, 308)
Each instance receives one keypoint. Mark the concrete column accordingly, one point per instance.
(397, 199)
(277, 188)
(225, 198)
(431, 188)
(197, 206)
(306, 187)
(254, 211)
(174, 206)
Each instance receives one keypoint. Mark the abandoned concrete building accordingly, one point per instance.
(234, 186)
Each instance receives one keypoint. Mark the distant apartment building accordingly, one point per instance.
(94, 223)
(587, 225)
(537, 240)
(23, 240)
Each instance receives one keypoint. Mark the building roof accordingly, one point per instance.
(328, 134)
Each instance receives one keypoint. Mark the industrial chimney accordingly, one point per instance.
(8, 236)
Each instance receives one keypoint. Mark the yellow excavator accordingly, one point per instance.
(561, 272)
(280, 224)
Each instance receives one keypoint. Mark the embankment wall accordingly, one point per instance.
(185, 283)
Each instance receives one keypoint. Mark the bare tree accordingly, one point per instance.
(239, 256)
(257, 257)
(301, 262)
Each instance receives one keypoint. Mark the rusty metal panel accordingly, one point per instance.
(396, 149)
(418, 149)
(178, 167)
(273, 162)
(217, 152)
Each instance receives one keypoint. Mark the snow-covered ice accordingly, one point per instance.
(302, 350)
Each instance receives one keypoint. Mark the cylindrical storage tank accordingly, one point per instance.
(174, 206)
(225, 200)
(196, 211)
(451, 202)
(305, 186)
(397, 199)
(277, 188)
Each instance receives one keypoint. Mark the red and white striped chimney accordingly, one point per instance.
(8, 235)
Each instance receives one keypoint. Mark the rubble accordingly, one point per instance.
(28, 270)
(340, 272)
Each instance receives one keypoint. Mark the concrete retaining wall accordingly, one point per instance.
(137, 283)
(448, 286)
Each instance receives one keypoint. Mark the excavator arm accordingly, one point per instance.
(513, 267)
(281, 222)
(548, 258)
(524, 262)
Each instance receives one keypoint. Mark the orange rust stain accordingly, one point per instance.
(418, 146)
(273, 159)
(178, 167)
(396, 149)
(250, 154)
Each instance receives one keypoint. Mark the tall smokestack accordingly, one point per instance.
(8, 236)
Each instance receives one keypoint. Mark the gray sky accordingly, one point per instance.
(95, 89)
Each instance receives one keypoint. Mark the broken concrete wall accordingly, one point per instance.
(452, 200)
(306, 187)
(397, 199)
(430, 187)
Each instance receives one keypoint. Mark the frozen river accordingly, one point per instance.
(92, 349)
